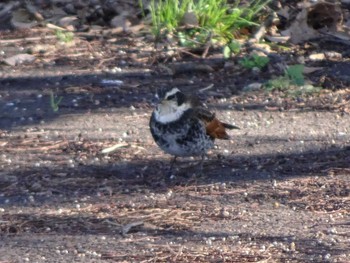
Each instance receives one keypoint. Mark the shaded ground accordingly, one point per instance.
(278, 192)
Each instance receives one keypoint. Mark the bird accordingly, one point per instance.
(181, 126)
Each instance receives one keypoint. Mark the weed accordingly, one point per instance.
(292, 83)
(295, 74)
(280, 83)
(234, 47)
(254, 61)
(64, 36)
(54, 101)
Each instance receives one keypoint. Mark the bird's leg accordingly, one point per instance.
(201, 164)
(171, 166)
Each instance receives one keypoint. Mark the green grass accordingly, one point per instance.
(55, 102)
(217, 19)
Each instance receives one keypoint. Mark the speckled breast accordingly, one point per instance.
(184, 137)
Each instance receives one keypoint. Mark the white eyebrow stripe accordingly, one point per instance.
(171, 92)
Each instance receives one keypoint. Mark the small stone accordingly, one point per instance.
(189, 19)
(292, 246)
(252, 87)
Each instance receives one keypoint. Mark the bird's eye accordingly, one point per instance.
(171, 97)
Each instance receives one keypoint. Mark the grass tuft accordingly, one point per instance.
(217, 19)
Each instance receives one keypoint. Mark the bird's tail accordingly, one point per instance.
(230, 126)
(216, 129)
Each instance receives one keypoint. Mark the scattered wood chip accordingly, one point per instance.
(52, 26)
(278, 39)
(115, 147)
(308, 70)
(206, 88)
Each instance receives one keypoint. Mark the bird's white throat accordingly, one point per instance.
(165, 112)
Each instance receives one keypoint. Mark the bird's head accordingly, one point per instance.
(171, 108)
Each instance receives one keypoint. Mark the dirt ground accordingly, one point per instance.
(279, 191)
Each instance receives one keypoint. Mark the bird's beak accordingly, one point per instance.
(163, 102)
(161, 105)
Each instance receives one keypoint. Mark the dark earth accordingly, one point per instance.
(279, 191)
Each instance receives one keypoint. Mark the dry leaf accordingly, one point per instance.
(312, 20)
(325, 15)
(300, 31)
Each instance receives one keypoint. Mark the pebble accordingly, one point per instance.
(224, 213)
(31, 199)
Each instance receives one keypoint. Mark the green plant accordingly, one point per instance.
(233, 47)
(216, 18)
(64, 36)
(295, 74)
(254, 61)
(292, 83)
(54, 101)
(280, 83)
